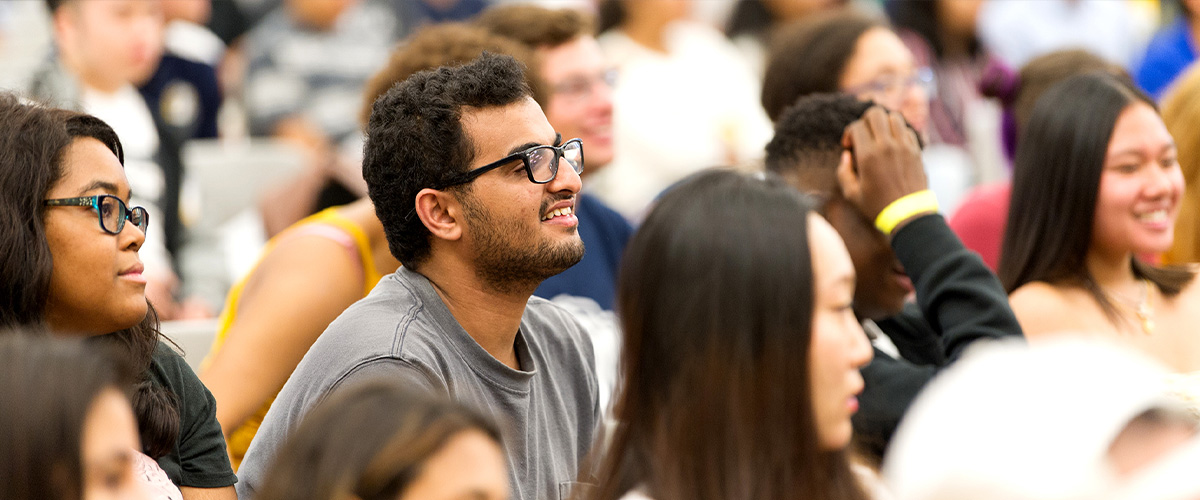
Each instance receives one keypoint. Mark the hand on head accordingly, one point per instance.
(882, 162)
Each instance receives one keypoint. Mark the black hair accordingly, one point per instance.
(716, 297)
(810, 56)
(33, 142)
(809, 133)
(368, 441)
(415, 140)
(808, 137)
(1056, 182)
(48, 386)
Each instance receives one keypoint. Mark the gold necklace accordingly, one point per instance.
(1141, 309)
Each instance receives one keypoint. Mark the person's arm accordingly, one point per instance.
(288, 301)
(958, 295)
(226, 493)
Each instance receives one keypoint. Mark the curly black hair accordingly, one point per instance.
(809, 133)
(415, 140)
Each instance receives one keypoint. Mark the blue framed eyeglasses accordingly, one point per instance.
(111, 211)
(541, 163)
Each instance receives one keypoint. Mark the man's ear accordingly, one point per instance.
(441, 213)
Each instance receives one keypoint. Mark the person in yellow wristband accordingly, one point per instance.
(864, 164)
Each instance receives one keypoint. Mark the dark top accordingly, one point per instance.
(604, 233)
(199, 459)
(959, 301)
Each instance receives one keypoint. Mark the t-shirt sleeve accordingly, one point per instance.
(199, 459)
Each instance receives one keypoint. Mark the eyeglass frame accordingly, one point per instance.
(95, 201)
(523, 155)
(923, 77)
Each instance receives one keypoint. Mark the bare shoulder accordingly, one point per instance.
(1040, 308)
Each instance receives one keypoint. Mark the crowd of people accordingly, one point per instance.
(603, 250)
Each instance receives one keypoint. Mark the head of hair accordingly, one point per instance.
(445, 44)
(53, 5)
(1043, 72)
(810, 56)
(807, 145)
(716, 297)
(32, 148)
(48, 386)
(369, 440)
(1180, 113)
(1056, 176)
(535, 26)
(415, 140)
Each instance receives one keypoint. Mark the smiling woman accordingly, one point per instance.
(69, 262)
(1099, 186)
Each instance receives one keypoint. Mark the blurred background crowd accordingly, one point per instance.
(241, 125)
(240, 117)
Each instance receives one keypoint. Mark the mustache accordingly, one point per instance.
(547, 203)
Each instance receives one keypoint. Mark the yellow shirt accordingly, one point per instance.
(239, 439)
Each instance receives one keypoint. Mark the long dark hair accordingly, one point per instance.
(47, 386)
(367, 441)
(32, 144)
(1056, 180)
(715, 299)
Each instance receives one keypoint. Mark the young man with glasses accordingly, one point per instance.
(578, 80)
(476, 193)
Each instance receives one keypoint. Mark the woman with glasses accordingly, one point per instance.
(741, 352)
(69, 262)
(849, 52)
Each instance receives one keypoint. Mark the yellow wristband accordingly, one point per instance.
(906, 206)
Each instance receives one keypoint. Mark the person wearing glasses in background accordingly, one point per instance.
(476, 193)
(579, 104)
(851, 53)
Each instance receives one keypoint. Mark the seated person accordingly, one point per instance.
(313, 271)
(475, 192)
(958, 300)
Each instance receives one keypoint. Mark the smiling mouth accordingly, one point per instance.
(1154, 217)
(558, 212)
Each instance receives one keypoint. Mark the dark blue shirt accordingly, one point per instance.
(604, 233)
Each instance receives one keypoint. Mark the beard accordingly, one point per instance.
(510, 257)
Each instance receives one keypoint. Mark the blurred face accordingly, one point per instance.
(110, 441)
(1140, 187)
(882, 69)
(521, 232)
(111, 42)
(580, 83)
(96, 285)
(882, 285)
(839, 346)
(469, 466)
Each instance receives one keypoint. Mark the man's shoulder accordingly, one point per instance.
(556, 331)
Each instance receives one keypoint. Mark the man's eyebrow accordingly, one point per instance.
(531, 145)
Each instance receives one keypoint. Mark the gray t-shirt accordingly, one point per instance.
(404, 330)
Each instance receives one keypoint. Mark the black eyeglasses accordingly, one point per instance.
(109, 209)
(541, 163)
